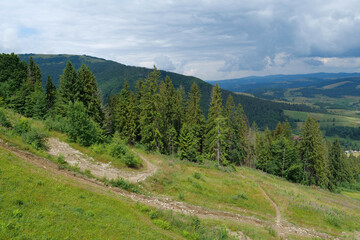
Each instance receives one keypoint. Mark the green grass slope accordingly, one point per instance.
(111, 77)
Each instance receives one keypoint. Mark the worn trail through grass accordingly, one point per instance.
(283, 228)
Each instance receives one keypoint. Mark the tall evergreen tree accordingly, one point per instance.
(50, 93)
(86, 91)
(68, 87)
(236, 132)
(339, 170)
(216, 128)
(38, 97)
(149, 115)
(312, 154)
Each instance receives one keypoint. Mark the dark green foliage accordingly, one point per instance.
(35, 138)
(56, 123)
(216, 129)
(22, 126)
(68, 87)
(111, 77)
(312, 153)
(50, 93)
(118, 149)
(339, 169)
(81, 128)
(125, 117)
(237, 131)
(149, 115)
(188, 143)
(87, 93)
(4, 120)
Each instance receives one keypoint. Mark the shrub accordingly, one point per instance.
(197, 175)
(123, 184)
(162, 224)
(56, 123)
(117, 149)
(80, 127)
(35, 138)
(131, 160)
(22, 126)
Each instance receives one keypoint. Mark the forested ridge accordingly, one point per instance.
(170, 120)
(112, 76)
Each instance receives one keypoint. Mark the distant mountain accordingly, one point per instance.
(279, 81)
(111, 77)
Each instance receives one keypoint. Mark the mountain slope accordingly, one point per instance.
(111, 77)
(279, 81)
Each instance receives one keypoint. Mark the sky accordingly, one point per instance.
(212, 40)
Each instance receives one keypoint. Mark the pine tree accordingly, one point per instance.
(168, 112)
(312, 154)
(149, 115)
(50, 93)
(86, 91)
(236, 132)
(38, 97)
(216, 129)
(67, 86)
(188, 143)
(194, 115)
(339, 170)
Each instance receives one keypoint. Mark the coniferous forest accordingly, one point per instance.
(170, 121)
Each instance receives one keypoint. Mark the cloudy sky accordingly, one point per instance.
(209, 39)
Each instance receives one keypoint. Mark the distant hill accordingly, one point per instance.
(111, 77)
(279, 81)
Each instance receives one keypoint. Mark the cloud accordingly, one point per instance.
(164, 63)
(313, 62)
(237, 37)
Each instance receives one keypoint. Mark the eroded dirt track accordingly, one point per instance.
(282, 228)
(98, 169)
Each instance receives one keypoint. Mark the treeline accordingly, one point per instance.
(306, 159)
(168, 120)
(343, 131)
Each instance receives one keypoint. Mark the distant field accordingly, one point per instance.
(325, 119)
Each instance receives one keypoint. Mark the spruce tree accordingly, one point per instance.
(188, 143)
(149, 115)
(236, 132)
(86, 91)
(38, 98)
(339, 170)
(50, 93)
(216, 129)
(67, 86)
(312, 154)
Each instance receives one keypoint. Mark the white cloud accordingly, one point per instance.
(208, 39)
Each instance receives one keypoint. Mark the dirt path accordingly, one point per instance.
(98, 169)
(162, 203)
(278, 214)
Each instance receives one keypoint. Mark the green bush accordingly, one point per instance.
(3, 120)
(197, 175)
(131, 160)
(123, 184)
(80, 127)
(117, 149)
(162, 224)
(56, 123)
(35, 138)
(22, 126)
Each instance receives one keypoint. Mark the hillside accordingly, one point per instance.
(111, 77)
(247, 84)
(181, 200)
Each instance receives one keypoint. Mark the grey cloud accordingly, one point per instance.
(255, 36)
(313, 62)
